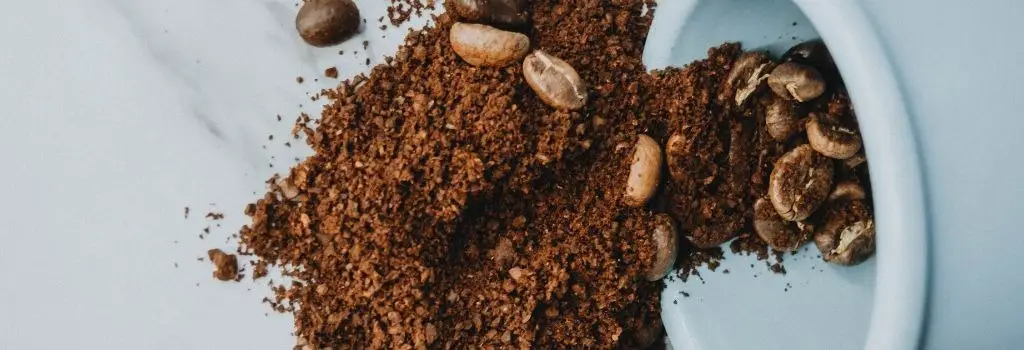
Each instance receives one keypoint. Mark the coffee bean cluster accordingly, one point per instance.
(489, 36)
(814, 190)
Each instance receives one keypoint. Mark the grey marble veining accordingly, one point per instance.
(116, 115)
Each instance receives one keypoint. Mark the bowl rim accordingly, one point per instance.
(892, 149)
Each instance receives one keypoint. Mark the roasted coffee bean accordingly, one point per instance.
(644, 172)
(814, 53)
(847, 190)
(847, 236)
(675, 155)
(482, 45)
(327, 22)
(747, 75)
(500, 13)
(554, 81)
(781, 119)
(666, 241)
(832, 136)
(779, 234)
(800, 182)
(795, 81)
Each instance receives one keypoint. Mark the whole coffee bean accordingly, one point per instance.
(814, 53)
(779, 234)
(781, 119)
(554, 81)
(847, 236)
(795, 81)
(746, 77)
(644, 172)
(666, 241)
(847, 190)
(799, 183)
(676, 155)
(832, 136)
(482, 45)
(501, 13)
(327, 22)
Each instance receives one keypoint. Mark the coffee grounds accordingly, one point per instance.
(446, 205)
(401, 11)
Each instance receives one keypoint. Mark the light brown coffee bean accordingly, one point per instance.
(847, 236)
(795, 81)
(832, 136)
(847, 190)
(676, 155)
(799, 183)
(747, 75)
(501, 13)
(781, 119)
(327, 22)
(666, 241)
(554, 81)
(482, 45)
(779, 234)
(644, 172)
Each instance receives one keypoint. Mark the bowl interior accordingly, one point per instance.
(814, 304)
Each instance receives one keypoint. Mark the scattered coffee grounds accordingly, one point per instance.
(214, 215)
(331, 72)
(447, 205)
(225, 265)
(186, 212)
(401, 11)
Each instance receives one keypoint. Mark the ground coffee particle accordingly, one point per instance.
(225, 265)
(447, 206)
(331, 73)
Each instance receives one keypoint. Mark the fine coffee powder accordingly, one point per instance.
(446, 205)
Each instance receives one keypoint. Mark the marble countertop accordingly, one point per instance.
(118, 114)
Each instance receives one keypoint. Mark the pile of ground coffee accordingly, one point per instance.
(447, 205)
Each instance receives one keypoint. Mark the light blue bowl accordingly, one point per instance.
(877, 305)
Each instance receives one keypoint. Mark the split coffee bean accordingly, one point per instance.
(814, 53)
(666, 241)
(832, 136)
(779, 234)
(482, 45)
(847, 236)
(781, 119)
(746, 77)
(795, 81)
(327, 22)
(644, 172)
(799, 183)
(554, 81)
(500, 13)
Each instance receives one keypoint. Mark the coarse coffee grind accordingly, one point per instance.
(447, 205)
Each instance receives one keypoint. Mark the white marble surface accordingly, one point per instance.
(116, 115)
